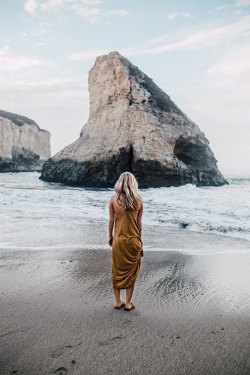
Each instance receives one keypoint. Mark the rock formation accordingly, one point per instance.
(23, 145)
(133, 126)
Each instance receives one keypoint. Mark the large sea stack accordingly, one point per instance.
(24, 147)
(133, 126)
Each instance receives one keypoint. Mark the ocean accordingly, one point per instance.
(40, 215)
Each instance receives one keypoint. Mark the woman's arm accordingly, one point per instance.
(111, 221)
(139, 217)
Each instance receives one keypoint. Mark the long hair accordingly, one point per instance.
(126, 190)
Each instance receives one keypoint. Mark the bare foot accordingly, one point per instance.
(119, 305)
(129, 306)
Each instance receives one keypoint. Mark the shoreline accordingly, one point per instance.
(155, 238)
(57, 314)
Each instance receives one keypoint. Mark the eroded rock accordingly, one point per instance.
(23, 145)
(133, 126)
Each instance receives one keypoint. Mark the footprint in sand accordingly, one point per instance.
(60, 351)
(109, 341)
(61, 371)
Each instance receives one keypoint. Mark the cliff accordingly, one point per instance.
(23, 145)
(133, 126)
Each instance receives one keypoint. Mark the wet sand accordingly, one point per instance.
(191, 317)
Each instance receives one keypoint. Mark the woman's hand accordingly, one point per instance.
(110, 241)
(111, 221)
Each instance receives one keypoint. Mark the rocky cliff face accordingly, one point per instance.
(23, 145)
(133, 126)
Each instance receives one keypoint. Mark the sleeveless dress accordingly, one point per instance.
(126, 251)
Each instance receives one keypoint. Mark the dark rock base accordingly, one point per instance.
(23, 160)
(104, 174)
(8, 165)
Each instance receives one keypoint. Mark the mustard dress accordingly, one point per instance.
(126, 251)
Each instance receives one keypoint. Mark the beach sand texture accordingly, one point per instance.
(191, 317)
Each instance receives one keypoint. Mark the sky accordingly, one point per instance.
(197, 51)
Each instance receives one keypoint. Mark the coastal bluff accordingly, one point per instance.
(133, 126)
(24, 147)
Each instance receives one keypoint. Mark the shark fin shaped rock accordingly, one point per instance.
(133, 126)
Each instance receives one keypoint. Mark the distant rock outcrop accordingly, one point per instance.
(23, 145)
(133, 126)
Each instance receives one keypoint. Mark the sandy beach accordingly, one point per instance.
(191, 317)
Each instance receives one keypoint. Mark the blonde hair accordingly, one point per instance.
(126, 190)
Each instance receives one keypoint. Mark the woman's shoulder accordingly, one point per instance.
(113, 199)
(140, 206)
(140, 200)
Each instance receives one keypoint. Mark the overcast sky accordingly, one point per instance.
(197, 51)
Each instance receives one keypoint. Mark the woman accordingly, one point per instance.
(127, 207)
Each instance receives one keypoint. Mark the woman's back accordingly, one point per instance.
(119, 208)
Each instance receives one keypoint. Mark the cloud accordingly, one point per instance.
(200, 39)
(4, 51)
(52, 5)
(231, 67)
(119, 12)
(6, 40)
(172, 16)
(232, 70)
(92, 2)
(90, 13)
(44, 85)
(87, 54)
(10, 62)
(44, 93)
(93, 53)
(94, 14)
(238, 3)
(30, 6)
(59, 85)
(242, 3)
(160, 39)
(39, 32)
(205, 37)
(55, 4)
(40, 44)
(84, 8)
(224, 6)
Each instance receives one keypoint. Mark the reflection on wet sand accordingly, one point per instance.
(57, 314)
